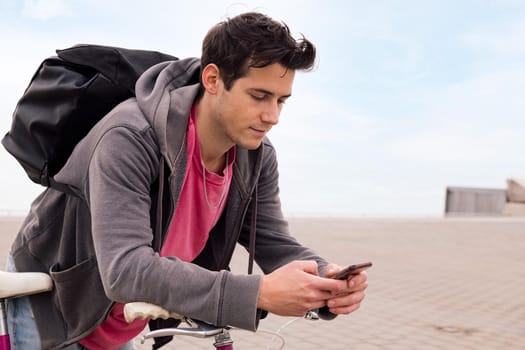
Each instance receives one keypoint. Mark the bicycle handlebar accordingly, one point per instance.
(16, 284)
(198, 329)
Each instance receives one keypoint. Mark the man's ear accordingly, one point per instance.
(211, 78)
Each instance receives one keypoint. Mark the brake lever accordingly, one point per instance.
(197, 329)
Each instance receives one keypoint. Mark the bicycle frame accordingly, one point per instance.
(5, 343)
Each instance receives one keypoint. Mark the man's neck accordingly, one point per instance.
(212, 144)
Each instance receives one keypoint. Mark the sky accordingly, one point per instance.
(407, 98)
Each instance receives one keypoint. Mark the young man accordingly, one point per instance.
(167, 183)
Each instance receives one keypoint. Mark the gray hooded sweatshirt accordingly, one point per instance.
(101, 245)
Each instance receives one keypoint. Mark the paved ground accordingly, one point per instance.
(447, 283)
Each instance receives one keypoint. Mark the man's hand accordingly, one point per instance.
(296, 288)
(349, 298)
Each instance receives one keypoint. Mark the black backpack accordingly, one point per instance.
(67, 96)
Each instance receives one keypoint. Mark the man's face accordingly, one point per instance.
(246, 112)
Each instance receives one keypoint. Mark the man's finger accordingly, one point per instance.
(308, 266)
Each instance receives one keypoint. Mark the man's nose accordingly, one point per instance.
(271, 114)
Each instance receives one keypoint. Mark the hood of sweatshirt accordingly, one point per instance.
(157, 89)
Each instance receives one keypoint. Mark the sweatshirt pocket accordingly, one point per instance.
(79, 295)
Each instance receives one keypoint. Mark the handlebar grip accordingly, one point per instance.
(142, 311)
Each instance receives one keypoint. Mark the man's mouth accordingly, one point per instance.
(259, 131)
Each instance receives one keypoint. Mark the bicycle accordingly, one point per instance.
(14, 285)
(18, 284)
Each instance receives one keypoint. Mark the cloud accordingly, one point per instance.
(45, 9)
(479, 119)
(460, 143)
(308, 116)
(507, 39)
(395, 111)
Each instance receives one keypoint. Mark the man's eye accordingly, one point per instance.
(259, 97)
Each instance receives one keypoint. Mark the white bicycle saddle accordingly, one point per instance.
(17, 284)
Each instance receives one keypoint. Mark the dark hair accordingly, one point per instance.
(254, 40)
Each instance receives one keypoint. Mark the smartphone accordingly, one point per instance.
(351, 270)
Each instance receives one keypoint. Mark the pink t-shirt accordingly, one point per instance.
(200, 205)
(201, 202)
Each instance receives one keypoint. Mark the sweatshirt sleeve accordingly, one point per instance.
(121, 171)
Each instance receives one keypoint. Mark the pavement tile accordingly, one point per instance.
(437, 283)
